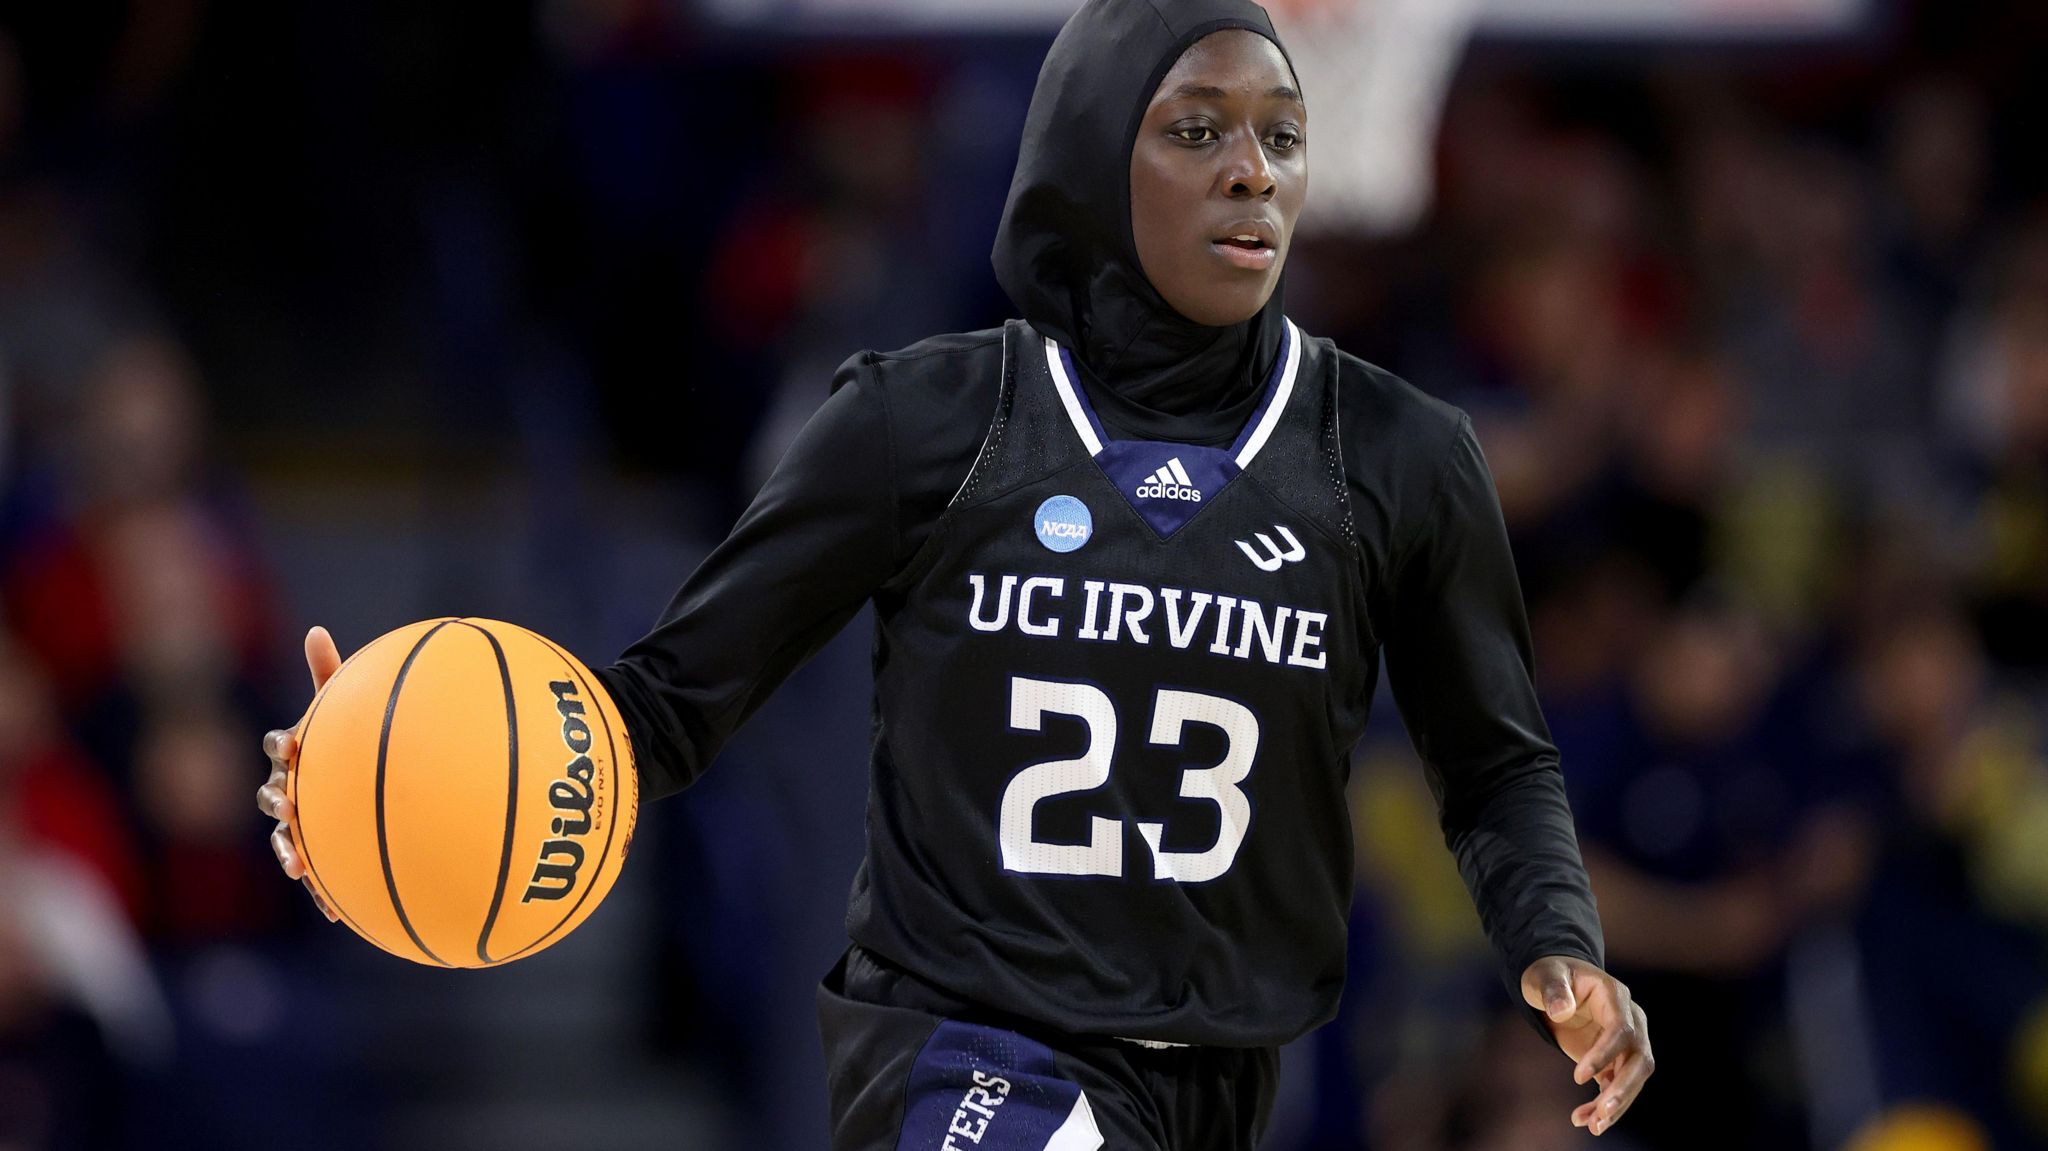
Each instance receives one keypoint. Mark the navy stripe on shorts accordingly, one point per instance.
(975, 1088)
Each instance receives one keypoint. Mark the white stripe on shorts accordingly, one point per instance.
(1079, 1132)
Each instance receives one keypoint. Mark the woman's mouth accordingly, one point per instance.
(1245, 250)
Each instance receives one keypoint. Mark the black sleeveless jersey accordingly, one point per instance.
(1116, 693)
(1117, 680)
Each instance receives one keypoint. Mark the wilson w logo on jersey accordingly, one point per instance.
(1273, 557)
(1170, 483)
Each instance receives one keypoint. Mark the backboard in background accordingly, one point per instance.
(1683, 19)
(1381, 68)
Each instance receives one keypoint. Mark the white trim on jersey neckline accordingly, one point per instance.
(1269, 418)
(1069, 400)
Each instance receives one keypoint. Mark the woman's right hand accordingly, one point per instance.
(282, 746)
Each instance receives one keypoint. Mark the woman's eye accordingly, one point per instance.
(1284, 140)
(1194, 133)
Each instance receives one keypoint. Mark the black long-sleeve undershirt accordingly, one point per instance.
(1458, 659)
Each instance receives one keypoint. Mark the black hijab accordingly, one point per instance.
(1064, 251)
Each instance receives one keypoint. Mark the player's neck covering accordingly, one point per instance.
(1064, 251)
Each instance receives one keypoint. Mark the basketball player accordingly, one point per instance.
(1134, 559)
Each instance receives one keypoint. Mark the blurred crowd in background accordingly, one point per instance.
(357, 314)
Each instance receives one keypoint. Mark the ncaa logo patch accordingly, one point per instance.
(1063, 523)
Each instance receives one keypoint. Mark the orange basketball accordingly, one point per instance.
(465, 794)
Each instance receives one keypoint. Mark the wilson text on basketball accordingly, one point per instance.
(571, 797)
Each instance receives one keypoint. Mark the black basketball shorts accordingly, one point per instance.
(910, 1069)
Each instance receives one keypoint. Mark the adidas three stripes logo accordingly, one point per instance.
(1170, 483)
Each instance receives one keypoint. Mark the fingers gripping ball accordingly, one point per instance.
(464, 794)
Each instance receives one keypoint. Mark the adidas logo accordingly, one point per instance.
(1170, 483)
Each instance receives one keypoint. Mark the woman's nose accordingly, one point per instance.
(1246, 172)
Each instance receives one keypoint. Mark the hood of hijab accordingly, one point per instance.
(1064, 250)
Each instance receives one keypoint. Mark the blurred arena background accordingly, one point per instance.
(354, 314)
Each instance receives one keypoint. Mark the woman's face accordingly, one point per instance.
(1219, 173)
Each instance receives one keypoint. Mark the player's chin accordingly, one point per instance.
(1231, 298)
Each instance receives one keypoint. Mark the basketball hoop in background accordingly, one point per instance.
(1375, 74)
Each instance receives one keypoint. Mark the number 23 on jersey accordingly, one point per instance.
(1173, 710)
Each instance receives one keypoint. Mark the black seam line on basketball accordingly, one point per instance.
(383, 749)
(611, 825)
(483, 938)
(305, 841)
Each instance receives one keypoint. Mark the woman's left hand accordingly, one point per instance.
(1597, 1023)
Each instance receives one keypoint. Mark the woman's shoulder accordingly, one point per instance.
(943, 387)
(1375, 402)
(1389, 428)
(935, 399)
(1400, 445)
(937, 357)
